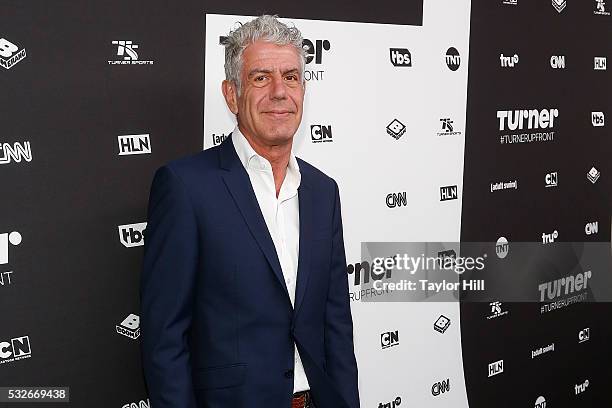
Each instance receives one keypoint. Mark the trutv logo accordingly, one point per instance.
(393, 404)
(132, 235)
(15, 349)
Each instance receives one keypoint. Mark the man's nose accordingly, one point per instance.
(279, 88)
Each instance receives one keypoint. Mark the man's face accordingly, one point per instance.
(269, 107)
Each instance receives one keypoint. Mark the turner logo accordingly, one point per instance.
(12, 238)
(552, 290)
(314, 53)
(580, 388)
(140, 404)
(551, 179)
(600, 64)
(550, 238)
(557, 62)
(441, 324)
(540, 402)
(559, 5)
(508, 62)
(320, 133)
(527, 119)
(15, 153)
(496, 310)
(598, 119)
(10, 54)
(393, 404)
(593, 175)
(496, 367)
(127, 55)
(584, 335)
(400, 57)
(389, 339)
(600, 8)
(396, 129)
(502, 247)
(440, 387)
(396, 200)
(453, 59)
(591, 228)
(132, 235)
(15, 349)
(448, 193)
(134, 144)
(218, 139)
(130, 326)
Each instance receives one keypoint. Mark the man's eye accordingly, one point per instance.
(259, 78)
(291, 77)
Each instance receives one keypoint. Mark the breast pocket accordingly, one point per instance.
(225, 376)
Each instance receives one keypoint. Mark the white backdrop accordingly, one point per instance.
(359, 94)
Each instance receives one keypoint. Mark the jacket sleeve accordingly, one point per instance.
(167, 292)
(339, 350)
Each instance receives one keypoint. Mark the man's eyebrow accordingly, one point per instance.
(269, 71)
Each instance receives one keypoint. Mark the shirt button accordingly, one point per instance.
(289, 374)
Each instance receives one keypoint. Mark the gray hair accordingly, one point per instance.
(266, 28)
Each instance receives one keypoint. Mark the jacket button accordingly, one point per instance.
(289, 374)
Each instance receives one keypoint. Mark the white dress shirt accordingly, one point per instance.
(282, 218)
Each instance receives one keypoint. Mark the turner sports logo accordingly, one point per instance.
(10, 54)
(127, 55)
(527, 119)
(564, 292)
(15, 153)
(17, 348)
(132, 235)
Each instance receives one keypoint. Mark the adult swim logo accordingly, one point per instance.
(132, 235)
(496, 310)
(314, 55)
(527, 119)
(508, 62)
(396, 129)
(600, 8)
(130, 326)
(17, 348)
(127, 55)
(15, 153)
(321, 133)
(496, 367)
(564, 292)
(10, 53)
(400, 57)
(542, 350)
(134, 144)
(453, 59)
(559, 5)
(218, 139)
(448, 129)
(504, 185)
(389, 339)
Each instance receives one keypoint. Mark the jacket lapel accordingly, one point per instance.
(305, 197)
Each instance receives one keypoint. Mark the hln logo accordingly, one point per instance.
(448, 193)
(134, 144)
(400, 57)
(389, 339)
(320, 133)
(496, 368)
(440, 387)
(17, 349)
(13, 238)
(132, 235)
(396, 200)
(15, 153)
(600, 63)
(597, 119)
(557, 61)
(591, 228)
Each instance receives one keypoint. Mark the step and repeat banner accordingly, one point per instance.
(459, 127)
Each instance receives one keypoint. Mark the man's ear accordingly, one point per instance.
(231, 95)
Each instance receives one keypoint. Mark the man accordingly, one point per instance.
(244, 288)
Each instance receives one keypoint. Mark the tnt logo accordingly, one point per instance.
(393, 404)
(130, 326)
(551, 179)
(396, 200)
(540, 402)
(16, 152)
(126, 49)
(396, 129)
(508, 62)
(440, 387)
(400, 57)
(550, 238)
(448, 193)
(13, 238)
(132, 235)
(600, 64)
(453, 60)
(389, 339)
(320, 133)
(10, 54)
(502, 247)
(597, 119)
(134, 144)
(591, 228)
(15, 349)
(496, 367)
(580, 388)
(584, 335)
(441, 324)
(557, 61)
(314, 51)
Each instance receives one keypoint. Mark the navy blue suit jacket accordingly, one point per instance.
(217, 324)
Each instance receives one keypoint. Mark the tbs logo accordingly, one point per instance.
(13, 238)
(389, 339)
(15, 349)
(132, 235)
(130, 326)
(320, 133)
(400, 57)
(597, 119)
